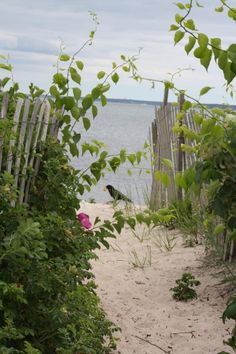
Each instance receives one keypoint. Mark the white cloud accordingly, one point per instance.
(32, 31)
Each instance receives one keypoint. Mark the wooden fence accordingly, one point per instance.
(167, 145)
(30, 125)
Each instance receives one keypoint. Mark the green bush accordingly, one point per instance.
(48, 302)
(185, 287)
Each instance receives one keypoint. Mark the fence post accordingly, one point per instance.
(166, 94)
(180, 142)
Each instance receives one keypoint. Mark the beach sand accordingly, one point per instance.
(134, 279)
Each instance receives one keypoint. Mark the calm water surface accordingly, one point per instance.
(120, 125)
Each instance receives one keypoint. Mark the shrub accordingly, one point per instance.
(48, 302)
(184, 290)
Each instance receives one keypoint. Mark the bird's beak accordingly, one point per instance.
(104, 189)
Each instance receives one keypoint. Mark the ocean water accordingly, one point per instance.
(120, 125)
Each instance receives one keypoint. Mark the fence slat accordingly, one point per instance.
(45, 123)
(31, 124)
(16, 117)
(35, 142)
(21, 140)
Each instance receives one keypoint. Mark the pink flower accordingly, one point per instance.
(84, 220)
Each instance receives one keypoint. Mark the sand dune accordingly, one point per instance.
(133, 281)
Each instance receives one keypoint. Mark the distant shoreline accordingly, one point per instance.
(158, 103)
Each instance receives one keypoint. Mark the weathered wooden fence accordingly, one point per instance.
(31, 124)
(167, 145)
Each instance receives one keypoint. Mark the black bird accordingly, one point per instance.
(115, 194)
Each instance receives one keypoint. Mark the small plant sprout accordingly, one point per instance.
(141, 261)
(184, 290)
(164, 240)
(141, 233)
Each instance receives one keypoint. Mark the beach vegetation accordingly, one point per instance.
(185, 288)
(48, 301)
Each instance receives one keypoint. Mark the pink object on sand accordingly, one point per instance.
(84, 220)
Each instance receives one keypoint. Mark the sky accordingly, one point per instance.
(31, 33)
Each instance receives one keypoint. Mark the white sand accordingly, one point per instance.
(139, 301)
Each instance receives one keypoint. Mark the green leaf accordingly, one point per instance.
(86, 123)
(68, 102)
(190, 25)
(180, 181)
(198, 52)
(105, 88)
(180, 5)
(75, 76)
(95, 169)
(101, 74)
(79, 64)
(178, 18)
(206, 58)
(204, 90)
(76, 137)
(173, 27)
(186, 105)
(94, 111)
(219, 229)
(233, 68)
(96, 91)
(219, 9)
(114, 163)
(202, 41)
(60, 79)
(87, 102)
(66, 119)
(76, 112)
(232, 53)
(222, 60)
(77, 93)
(230, 311)
(103, 100)
(131, 158)
(162, 177)
(168, 163)
(103, 155)
(178, 36)
(232, 13)
(7, 67)
(228, 73)
(216, 45)
(64, 57)
(189, 46)
(130, 173)
(4, 81)
(54, 91)
(115, 78)
(73, 149)
(198, 118)
(198, 4)
(123, 155)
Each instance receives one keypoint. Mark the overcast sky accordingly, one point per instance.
(31, 31)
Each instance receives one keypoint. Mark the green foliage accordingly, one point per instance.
(48, 302)
(184, 290)
(224, 58)
(230, 313)
(214, 173)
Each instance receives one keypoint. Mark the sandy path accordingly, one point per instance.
(139, 301)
